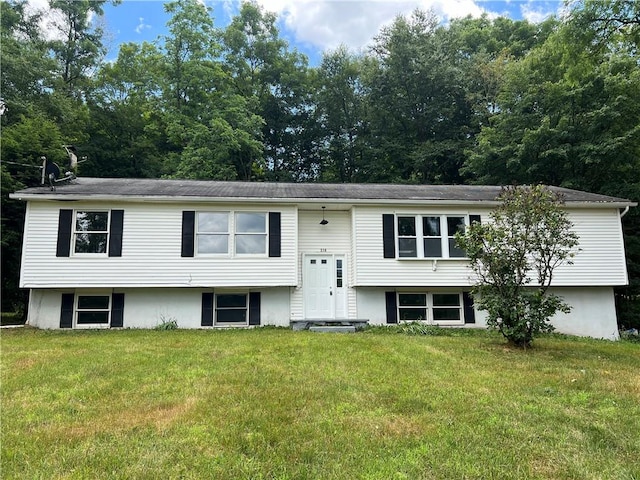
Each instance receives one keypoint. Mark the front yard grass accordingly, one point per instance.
(278, 404)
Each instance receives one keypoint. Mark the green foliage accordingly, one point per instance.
(513, 257)
(167, 323)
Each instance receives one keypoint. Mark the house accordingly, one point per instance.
(133, 253)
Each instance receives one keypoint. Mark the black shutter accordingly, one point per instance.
(66, 310)
(388, 235)
(469, 311)
(274, 234)
(188, 232)
(474, 219)
(254, 308)
(115, 233)
(392, 307)
(65, 222)
(206, 319)
(117, 310)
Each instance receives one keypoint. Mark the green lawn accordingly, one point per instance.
(273, 403)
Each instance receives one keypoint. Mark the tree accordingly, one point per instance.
(340, 110)
(418, 110)
(275, 83)
(514, 256)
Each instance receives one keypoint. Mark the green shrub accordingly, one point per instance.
(167, 323)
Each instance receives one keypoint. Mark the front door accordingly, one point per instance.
(325, 287)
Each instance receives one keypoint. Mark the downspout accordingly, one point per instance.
(624, 212)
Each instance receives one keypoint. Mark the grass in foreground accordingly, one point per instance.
(272, 403)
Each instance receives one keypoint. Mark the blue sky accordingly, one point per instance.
(313, 26)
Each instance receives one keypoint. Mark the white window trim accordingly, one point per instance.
(232, 234)
(444, 235)
(91, 325)
(75, 232)
(216, 323)
(430, 307)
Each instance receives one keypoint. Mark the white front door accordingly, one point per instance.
(324, 285)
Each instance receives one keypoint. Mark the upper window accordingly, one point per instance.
(91, 232)
(213, 232)
(243, 233)
(251, 233)
(429, 236)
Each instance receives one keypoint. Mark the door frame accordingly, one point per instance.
(334, 296)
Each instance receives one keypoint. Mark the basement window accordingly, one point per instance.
(231, 309)
(93, 310)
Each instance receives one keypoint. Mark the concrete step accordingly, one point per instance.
(333, 328)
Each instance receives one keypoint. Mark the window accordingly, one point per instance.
(407, 240)
(438, 308)
(212, 232)
(220, 233)
(412, 307)
(432, 243)
(90, 232)
(93, 310)
(231, 309)
(251, 233)
(339, 274)
(455, 225)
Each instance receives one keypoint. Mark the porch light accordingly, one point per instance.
(323, 221)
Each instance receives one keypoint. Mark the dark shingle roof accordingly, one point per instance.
(123, 188)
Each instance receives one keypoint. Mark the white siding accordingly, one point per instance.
(151, 249)
(600, 261)
(593, 311)
(374, 270)
(149, 307)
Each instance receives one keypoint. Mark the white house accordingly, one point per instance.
(133, 253)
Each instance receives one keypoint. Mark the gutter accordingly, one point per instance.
(290, 200)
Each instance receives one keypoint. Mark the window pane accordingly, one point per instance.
(213, 243)
(406, 226)
(412, 299)
(443, 314)
(92, 317)
(231, 301)
(454, 225)
(411, 314)
(91, 243)
(251, 223)
(231, 316)
(446, 300)
(92, 221)
(432, 247)
(93, 302)
(454, 250)
(251, 244)
(213, 222)
(407, 247)
(431, 226)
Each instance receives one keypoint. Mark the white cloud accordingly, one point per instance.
(53, 21)
(536, 12)
(142, 26)
(325, 24)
